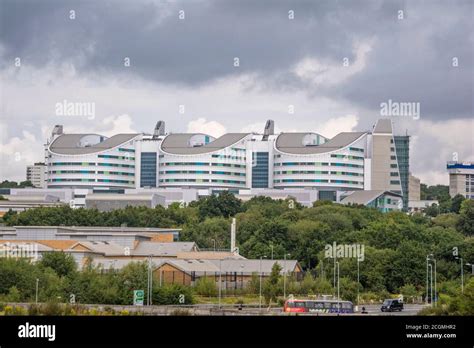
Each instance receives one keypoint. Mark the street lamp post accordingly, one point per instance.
(284, 279)
(430, 257)
(338, 281)
(260, 301)
(427, 281)
(334, 273)
(220, 282)
(431, 283)
(149, 281)
(271, 246)
(462, 275)
(472, 267)
(358, 281)
(37, 281)
(214, 241)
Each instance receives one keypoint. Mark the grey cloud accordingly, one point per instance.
(402, 65)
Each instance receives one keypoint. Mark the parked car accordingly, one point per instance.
(392, 305)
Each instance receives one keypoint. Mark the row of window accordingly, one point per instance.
(205, 180)
(200, 172)
(203, 164)
(89, 172)
(116, 181)
(85, 164)
(317, 172)
(126, 158)
(126, 150)
(319, 180)
(336, 164)
(238, 158)
(351, 157)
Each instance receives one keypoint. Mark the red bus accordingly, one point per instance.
(318, 306)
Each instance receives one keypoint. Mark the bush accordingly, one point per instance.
(206, 287)
(52, 308)
(172, 294)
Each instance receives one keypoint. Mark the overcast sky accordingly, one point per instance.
(332, 62)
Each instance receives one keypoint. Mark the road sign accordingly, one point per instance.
(138, 297)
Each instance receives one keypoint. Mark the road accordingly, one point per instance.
(409, 309)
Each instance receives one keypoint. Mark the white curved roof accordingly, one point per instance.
(179, 144)
(293, 143)
(69, 144)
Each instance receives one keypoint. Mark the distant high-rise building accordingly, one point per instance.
(461, 179)
(414, 192)
(36, 174)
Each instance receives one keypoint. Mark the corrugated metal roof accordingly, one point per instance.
(179, 143)
(162, 249)
(68, 144)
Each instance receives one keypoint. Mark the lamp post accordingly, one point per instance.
(214, 241)
(430, 257)
(284, 279)
(334, 273)
(358, 281)
(220, 282)
(260, 301)
(149, 281)
(338, 283)
(271, 246)
(37, 281)
(462, 274)
(431, 282)
(427, 282)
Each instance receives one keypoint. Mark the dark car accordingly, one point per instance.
(392, 305)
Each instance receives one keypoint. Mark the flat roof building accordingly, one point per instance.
(461, 179)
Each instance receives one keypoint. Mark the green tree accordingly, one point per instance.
(456, 203)
(271, 288)
(60, 262)
(465, 223)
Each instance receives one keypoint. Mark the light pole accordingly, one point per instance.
(334, 273)
(37, 281)
(358, 281)
(284, 279)
(431, 283)
(271, 246)
(149, 281)
(427, 282)
(260, 302)
(338, 285)
(430, 257)
(214, 241)
(462, 275)
(220, 282)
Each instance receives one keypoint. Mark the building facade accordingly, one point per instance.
(461, 179)
(36, 174)
(348, 162)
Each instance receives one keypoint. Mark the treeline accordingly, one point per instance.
(60, 281)
(395, 244)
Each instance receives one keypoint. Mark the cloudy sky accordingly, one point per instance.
(324, 66)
